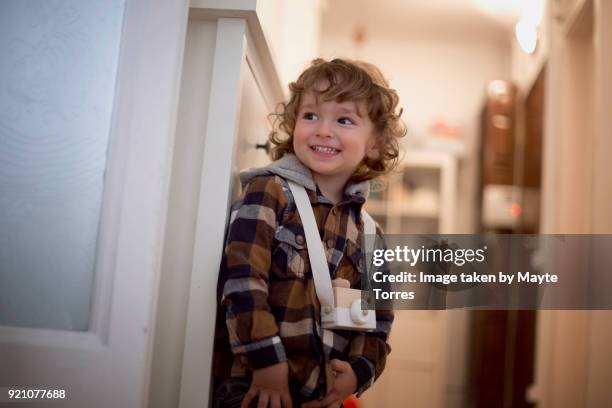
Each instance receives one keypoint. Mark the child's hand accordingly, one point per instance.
(345, 384)
(271, 385)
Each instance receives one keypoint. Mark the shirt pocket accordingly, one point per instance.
(291, 253)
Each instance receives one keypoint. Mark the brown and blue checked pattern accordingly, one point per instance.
(269, 309)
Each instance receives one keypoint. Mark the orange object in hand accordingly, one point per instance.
(351, 402)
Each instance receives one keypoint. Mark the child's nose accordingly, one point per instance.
(324, 129)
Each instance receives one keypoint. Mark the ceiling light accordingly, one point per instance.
(526, 35)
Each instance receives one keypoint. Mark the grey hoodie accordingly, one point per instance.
(291, 168)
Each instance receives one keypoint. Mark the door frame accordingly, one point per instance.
(240, 45)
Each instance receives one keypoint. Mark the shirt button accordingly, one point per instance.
(330, 243)
(299, 239)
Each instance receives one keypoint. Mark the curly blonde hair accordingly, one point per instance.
(347, 80)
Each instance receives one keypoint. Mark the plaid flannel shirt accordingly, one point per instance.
(269, 308)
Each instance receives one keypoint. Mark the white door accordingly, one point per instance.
(89, 94)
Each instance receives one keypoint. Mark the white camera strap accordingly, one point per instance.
(316, 252)
(369, 229)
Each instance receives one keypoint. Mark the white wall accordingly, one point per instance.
(292, 29)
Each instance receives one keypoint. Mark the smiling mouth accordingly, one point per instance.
(325, 149)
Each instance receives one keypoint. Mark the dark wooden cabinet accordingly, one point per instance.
(499, 133)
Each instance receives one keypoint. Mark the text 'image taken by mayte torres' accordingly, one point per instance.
(492, 271)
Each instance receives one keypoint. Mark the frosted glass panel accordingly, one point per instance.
(58, 63)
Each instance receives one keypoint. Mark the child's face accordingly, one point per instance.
(331, 138)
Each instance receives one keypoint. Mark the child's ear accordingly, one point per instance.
(373, 150)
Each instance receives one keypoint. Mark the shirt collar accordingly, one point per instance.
(291, 168)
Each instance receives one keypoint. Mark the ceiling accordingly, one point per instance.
(482, 16)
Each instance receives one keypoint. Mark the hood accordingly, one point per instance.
(291, 168)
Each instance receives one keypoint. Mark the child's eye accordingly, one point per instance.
(310, 116)
(346, 121)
